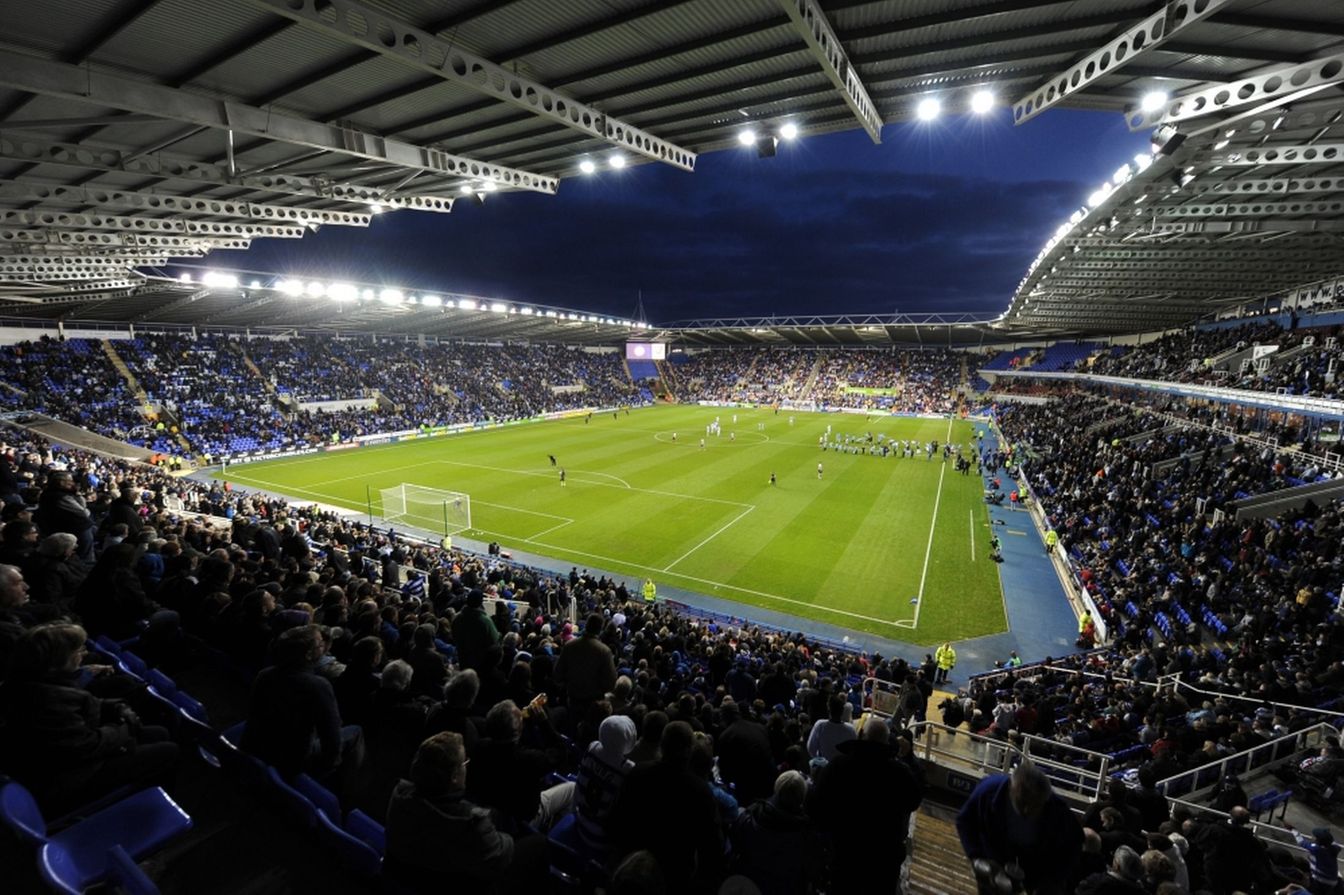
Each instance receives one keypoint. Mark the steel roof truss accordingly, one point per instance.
(388, 36)
(815, 29)
(1260, 87)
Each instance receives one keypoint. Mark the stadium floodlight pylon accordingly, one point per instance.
(434, 509)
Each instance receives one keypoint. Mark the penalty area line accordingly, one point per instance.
(669, 566)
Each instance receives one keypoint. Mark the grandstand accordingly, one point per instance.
(1098, 534)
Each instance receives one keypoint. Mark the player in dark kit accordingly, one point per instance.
(552, 456)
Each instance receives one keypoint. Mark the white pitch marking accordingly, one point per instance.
(972, 512)
(669, 566)
(928, 550)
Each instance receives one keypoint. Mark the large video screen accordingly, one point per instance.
(646, 350)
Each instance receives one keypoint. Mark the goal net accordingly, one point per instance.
(434, 509)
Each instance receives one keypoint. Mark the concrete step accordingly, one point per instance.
(938, 866)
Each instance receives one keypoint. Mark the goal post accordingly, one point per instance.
(434, 509)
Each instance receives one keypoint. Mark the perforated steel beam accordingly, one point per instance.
(101, 197)
(816, 31)
(169, 167)
(108, 90)
(1280, 154)
(1140, 38)
(394, 38)
(122, 223)
(1263, 86)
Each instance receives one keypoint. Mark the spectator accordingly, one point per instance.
(437, 839)
(293, 722)
(66, 745)
(775, 843)
(1018, 819)
(473, 632)
(602, 772)
(829, 732)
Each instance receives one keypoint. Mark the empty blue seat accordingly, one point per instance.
(354, 853)
(77, 857)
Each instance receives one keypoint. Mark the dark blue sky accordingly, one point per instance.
(940, 217)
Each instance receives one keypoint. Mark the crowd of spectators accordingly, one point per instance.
(1191, 355)
(910, 381)
(227, 395)
(369, 652)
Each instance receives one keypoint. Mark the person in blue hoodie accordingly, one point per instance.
(1018, 820)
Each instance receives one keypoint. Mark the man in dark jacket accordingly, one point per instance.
(1020, 819)
(745, 757)
(866, 771)
(293, 722)
(586, 667)
(439, 841)
(507, 775)
(126, 510)
(60, 508)
(473, 632)
(665, 808)
(1234, 859)
(775, 843)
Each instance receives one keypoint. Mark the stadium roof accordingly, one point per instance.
(135, 131)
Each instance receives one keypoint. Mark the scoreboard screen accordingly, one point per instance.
(646, 350)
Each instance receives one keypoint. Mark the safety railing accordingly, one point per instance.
(1248, 760)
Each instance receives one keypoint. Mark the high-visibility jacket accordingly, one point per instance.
(650, 591)
(946, 657)
(1085, 622)
(1051, 538)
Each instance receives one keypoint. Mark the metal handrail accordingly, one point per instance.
(1244, 761)
(992, 755)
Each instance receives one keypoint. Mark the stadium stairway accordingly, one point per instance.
(938, 866)
(131, 382)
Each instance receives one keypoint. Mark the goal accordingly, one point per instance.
(434, 509)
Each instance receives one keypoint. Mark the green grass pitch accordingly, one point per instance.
(851, 548)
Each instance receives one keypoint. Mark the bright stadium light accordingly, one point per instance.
(982, 101)
(465, 189)
(489, 186)
(550, 313)
(1143, 160)
(747, 137)
(1153, 101)
(216, 280)
(467, 304)
(528, 312)
(617, 161)
(450, 303)
(290, 287)
(1121, 174)
(587, 166)
(431, 301)
(316, 289)
(184, 278)
(367, 295)
(255, 284)
(788, 131)
(391, 296)
(1099, 196)
(928, 109)
(499, 307)
(341, 292)
(376, 207)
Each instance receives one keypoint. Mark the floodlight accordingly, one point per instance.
(341, 292)
(489, 186)
(928, 109)
(617, 161)
(290, 287)
(747, 137)
(1121, 174)
(587, 166)
(528, 312)
(465, 189)
(367, 295)
(184, 278)
(1153, 101)
(550, 313)
(376, 207)
(431, 301)
(216, 280)
(1143, 160)
(1099, 196)
(788, 131)
(499, 307)
(256, 284)
(450, 303)
(982, 101)
(390, 296)
(316, 289)
(467, 304)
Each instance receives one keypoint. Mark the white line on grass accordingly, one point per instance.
(505, 506)
(669, 566)
(919, 598)
(547, 475)
(605, 475)
(552, 528)
(972, 535)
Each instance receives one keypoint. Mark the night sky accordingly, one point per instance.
(944, 216)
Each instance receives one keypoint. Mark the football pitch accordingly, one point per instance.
(894, 547)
